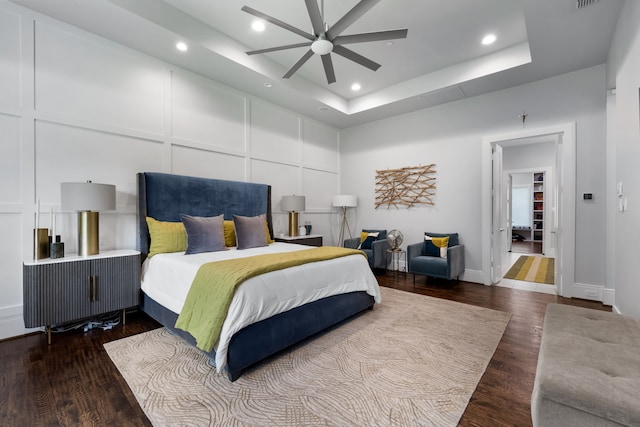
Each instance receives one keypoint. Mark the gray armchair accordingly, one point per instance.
(377, 253)
(431, 264)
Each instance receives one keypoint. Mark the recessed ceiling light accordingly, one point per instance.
(267, 84)
(488, 39)
(355, 87)
(323, 108)
(182, 46)
(389, 43)
(257, 25)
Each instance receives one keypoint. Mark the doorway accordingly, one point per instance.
(561, 216)
(524, 233)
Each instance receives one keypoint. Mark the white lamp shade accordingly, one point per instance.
(293, 203)
(87, 196)
(346, 201)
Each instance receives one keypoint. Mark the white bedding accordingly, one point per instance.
(166, 278)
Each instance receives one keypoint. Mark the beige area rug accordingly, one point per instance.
(537, 269)
(412, 360)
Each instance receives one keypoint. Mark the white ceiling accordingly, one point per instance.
(441, 60)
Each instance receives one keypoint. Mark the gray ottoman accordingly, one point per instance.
(588, 369)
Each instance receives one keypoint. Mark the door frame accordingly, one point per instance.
(567, 179)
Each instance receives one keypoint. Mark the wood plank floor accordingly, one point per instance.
(72, 382)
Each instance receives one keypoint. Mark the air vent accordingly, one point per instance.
(581, 4)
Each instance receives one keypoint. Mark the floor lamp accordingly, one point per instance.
(343, 202)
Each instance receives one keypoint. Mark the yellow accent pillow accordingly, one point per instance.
(166, 237)
(229, 233)
(442, 243)
(266, 228)
(367, 238)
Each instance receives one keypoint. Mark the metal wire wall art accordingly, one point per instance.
(405, 187)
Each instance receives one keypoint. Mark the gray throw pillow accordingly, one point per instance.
(250, 231)
(204, 234)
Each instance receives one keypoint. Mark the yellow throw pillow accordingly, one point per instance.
(166, 237)
(367, 238)
(229, 233)
(266, 228)
(442, 243)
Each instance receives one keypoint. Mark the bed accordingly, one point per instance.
(165, 197)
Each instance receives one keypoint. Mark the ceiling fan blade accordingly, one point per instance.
(370, 37)
(315, 16)
(352, 16)
(278, 22)
(298, 64)
(274, 49)
(355, 57)
(328, 68)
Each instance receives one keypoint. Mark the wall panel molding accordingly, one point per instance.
(11, 54)
(86, 78)
(90, 108)
(70, 121)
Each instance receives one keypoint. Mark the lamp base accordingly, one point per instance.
(88, 233)
(41, 243)
(293, 224)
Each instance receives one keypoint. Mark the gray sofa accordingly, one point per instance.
(588, 370)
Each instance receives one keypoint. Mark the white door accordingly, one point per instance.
(556, 223)
(497, 227)
(508, 219)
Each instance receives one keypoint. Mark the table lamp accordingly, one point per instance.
(293, 205)
(343, 202)
(88, 198)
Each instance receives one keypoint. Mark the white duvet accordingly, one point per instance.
(166, 278)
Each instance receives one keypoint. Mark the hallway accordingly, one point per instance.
(508, 261)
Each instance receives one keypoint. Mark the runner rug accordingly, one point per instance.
(532, 269)
(412, 360)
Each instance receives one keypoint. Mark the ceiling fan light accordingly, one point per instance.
(322, 46)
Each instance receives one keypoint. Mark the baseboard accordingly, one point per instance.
(615, 309)
(593, 293)
(12, 323)
(609, 297)
(474, 276)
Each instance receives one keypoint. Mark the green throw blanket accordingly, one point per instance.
(215, 283)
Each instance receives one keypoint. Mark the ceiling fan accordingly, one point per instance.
(325, 39)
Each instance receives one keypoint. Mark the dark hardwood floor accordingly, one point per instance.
(526, 247)
(73, 382)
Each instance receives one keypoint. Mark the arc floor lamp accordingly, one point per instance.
(343, 201)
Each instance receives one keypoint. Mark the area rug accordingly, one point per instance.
(532, 269)
(412, 360)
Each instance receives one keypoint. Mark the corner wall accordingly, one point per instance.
(450, 136)
(77, 107)
(624, 72)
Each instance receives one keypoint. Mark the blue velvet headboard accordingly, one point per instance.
(165, 197)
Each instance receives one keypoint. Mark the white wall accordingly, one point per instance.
(76, 107)
(450, 136)
(529, 156)
(624, 69)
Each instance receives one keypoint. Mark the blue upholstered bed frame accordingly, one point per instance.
(166, 196)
